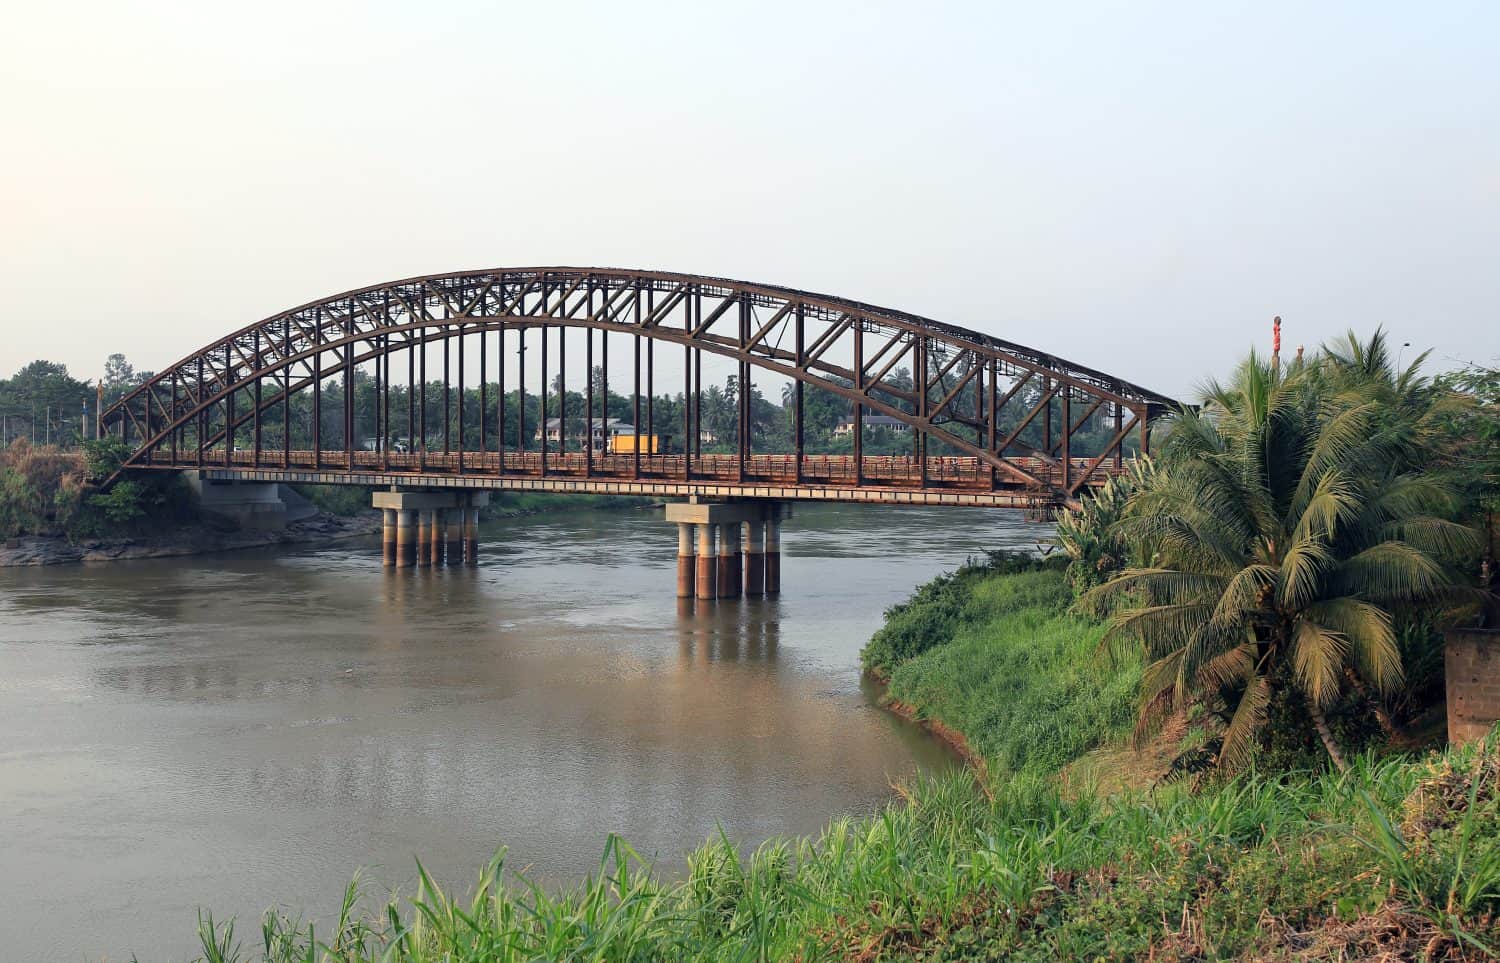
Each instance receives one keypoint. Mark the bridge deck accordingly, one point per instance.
(889, 479)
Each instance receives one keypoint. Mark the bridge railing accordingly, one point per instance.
(887, 471)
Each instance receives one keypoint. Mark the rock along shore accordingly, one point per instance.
(187, 540)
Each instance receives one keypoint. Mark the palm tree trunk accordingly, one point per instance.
(1382, 715)
(1326, 734)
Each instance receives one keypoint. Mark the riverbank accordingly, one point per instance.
(188, 539)
(1397, 859)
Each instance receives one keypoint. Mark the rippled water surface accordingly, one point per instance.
(247, 730)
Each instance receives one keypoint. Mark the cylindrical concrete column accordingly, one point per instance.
(406, 544)
(773, 555)
(685, 572)
(708, 567)
(471, 536)
(388, 537)
(439, 541)
(755, 558)
(455, 535)
(424, 537)
(729, 561)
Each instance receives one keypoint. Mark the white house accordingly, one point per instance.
(846, 427)
(600, 429)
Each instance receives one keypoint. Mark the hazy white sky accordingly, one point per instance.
(1136, 186)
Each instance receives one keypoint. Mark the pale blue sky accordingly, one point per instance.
(1139, 187)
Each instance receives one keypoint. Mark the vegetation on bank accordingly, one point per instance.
(993, 654)
(45, 490)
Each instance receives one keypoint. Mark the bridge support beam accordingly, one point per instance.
(439, 537)
(471, 535)
(723, 570)
(755, 558)
(406, 543)
(440, 526)
(685, 558)
(708, 559)
(773, 548)
(424, 538)
(730, 570)
(454, 549)
(388, 537)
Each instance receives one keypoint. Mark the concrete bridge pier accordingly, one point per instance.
(454, 549)
(424, 538)
(471, 535)
(406, 542)
(708, 562)
(725, 570)
(685, 560)
(439, 535)
(388, 537)
(755, 558)
(439, 527)
(730, 570)
(773, 547)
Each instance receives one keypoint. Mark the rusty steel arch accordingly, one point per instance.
(989, 402)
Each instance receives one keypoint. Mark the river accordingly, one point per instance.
(246, 730)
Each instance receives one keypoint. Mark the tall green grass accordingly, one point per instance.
(1007, 869)
(1022, 679)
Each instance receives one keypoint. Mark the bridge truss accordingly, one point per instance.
(990, 421)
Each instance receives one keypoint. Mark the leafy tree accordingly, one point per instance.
(1468, 444)
(1285, 526)
(43, 400)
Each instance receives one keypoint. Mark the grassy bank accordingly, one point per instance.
(1399, 858)
(991, 652)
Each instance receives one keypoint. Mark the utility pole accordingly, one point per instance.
(1276, 343)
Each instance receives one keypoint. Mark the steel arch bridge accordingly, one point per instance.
(990, 422)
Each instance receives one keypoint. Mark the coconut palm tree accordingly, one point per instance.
(1280, 535)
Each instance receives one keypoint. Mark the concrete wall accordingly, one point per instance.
(254, 506)
(1472, 664)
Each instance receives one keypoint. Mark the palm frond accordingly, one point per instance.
(1302, 571)
(1390, 571)
(1249, 718)
(1372, 638)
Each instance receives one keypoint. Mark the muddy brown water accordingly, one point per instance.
(246, 730)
